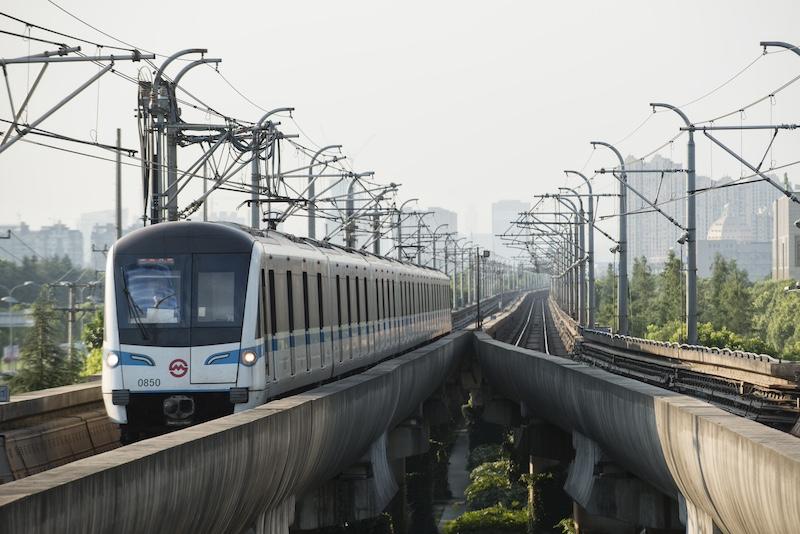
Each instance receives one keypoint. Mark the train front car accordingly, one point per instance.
(182, 344)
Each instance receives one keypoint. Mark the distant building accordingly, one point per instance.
(55, 241)
(443, 216)
(504, 213)
(751, 256)
(786, 240)
(89, 220)
(731, 237)
(651, 235)
(58, 240)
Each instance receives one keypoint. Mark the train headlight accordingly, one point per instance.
(112, 360)
(249, 358)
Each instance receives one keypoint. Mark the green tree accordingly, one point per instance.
(490, 485)
(42, 362)
(606, 298)
(643, 294)
(737, 302)
(92, 337)
(727, 298)
(669, 303)
(711, 312)
(774, 317)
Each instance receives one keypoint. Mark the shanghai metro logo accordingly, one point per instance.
(178, 367)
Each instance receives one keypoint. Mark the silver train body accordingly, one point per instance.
(207, 319)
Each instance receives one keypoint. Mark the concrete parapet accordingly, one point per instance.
(224, 475)
(33, 405)
(743, 475)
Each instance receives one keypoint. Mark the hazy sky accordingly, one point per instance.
(464, 103)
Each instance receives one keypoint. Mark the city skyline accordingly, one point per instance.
(347, 115)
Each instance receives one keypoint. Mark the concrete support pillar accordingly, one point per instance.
(603, 489)
(697, 521)
(276, 520)
(361, 491)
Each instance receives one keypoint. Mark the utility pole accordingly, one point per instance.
(478, 286)
(350, 225)
(589, 249)
(580, 255)
(72, 311)
(622, 244)
(376, 233)
(118, 189)
(205, 191)
(71, 314)
(161, 108)
(255, 173)
(312, 210)
(419, 239)
(399, 244)
(691, 226)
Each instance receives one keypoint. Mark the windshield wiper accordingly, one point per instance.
(133, 308)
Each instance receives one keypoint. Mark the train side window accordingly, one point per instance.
(320, 307)
(339, 300)
(378, 302)
(403, 298)
(290, 296)
(366, 301)
(358, 302)
(383, 297)
(394, 300)
(387, 303)
(305, 300)
(349, 301)
(273, 317)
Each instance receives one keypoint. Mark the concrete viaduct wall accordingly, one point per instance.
(236, 473)
(741, 475)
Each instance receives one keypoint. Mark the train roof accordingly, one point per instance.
(186, 237)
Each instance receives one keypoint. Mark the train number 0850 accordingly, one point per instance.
(149, 382)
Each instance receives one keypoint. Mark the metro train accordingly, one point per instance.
(207, 319)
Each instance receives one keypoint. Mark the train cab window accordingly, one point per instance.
(273, 317)
(305, 300)
(290, 297)
(217, 285)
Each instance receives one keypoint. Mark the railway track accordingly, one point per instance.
(771, 400)
(538, 331)
(465, 317)
(774, 406)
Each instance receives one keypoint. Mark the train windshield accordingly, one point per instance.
(181, 300)
(153, 291)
